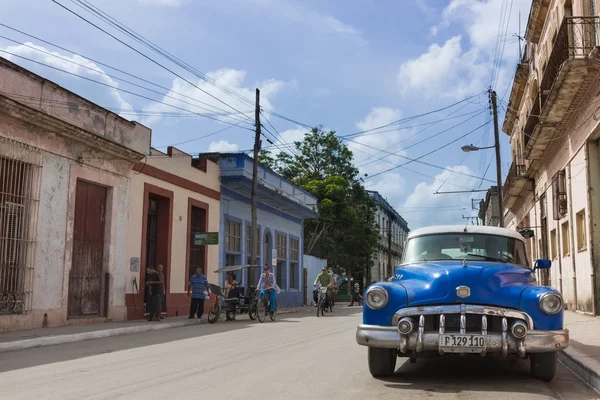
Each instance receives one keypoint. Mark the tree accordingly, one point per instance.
(267, 160)
(345, 232)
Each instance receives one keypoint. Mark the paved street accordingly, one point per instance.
(297, 357)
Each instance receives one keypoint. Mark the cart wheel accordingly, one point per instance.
(214, 313)
(273, 316)
(261, 310)
(252, 311)
(230, 315)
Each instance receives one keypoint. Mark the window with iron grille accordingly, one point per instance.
(233, 235)
(294, 264)
(248, 237)
(20, 167)
(559, 195)
(281, 247)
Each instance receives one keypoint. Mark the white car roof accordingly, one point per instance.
(490, 230)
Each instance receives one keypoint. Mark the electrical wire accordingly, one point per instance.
(115, 87)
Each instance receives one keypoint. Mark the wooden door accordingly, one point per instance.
(85, 278)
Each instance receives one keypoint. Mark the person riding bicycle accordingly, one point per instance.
(326, 280)
(268, 285)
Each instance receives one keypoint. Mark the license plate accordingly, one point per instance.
(461, 343)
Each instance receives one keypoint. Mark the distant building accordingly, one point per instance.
(282, 208)
(488, 209)
(173, 199)
(393, 230)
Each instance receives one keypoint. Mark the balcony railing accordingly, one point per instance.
(533, 119)
(516, 171)
(576, 38)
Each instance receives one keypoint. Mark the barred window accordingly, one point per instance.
(20, 167)
(233, 235)
(281, 247)
(294, 249)
(248, 236)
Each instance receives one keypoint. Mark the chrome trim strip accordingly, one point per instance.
(421, 333)
(442, 329)
(469, 309)
(484, 327)
(535, 341)
(504, 337)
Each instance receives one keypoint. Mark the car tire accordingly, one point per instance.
(382, 362)
(543, 366)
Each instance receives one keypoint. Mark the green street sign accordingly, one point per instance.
(206, 238)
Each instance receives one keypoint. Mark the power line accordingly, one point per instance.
(114, 87)
(411, 160)
(147, 57)
(103, 64)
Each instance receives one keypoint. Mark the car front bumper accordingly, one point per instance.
(535, 341)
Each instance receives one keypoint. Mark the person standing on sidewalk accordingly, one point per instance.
(198, 289)
(158, 291)
(151, 279)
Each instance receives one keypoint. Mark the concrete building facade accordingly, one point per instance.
(282, 208)
(552, 120)
(393, 230)
(64, 192)
(173, 199)
(489, 212)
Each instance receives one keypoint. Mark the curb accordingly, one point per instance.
(586, 368)
(98, 334)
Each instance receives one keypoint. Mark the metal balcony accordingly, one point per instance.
(572, 66)
(515, 184)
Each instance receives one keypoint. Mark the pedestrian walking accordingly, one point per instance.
(198, 289)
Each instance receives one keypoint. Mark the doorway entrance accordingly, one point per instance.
(157, 238)
(197, 253)
(85, 277)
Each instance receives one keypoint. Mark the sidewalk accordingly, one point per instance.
(11, 341)
(583, 354)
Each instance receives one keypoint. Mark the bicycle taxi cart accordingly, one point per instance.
(239, 300)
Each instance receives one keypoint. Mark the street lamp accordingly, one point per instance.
(470, 147)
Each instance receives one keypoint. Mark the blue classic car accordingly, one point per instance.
(467, 290)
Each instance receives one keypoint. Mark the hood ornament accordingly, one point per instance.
(465, 260)
(463, 291)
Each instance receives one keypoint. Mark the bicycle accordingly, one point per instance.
(261, 307)
(322, 300)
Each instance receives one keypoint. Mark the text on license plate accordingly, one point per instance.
(462, 340)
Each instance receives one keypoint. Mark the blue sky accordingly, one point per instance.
(347, 65)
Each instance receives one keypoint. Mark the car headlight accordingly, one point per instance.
(551, 303)
(376, 297)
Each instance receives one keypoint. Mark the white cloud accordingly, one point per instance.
(369, 160)
(445, 72)
(66, 63)
(285, 141)
(463, 66)
(188, 97)
(432, 209)
(223, 146)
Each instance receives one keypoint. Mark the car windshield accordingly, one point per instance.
(472, 246)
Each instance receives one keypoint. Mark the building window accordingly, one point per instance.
(257, 246)
(19, 196)
(564, 233)
(295, 264)
(559, 195)
(281, 261)
(581, 231)
(553, 244)
(233, 236)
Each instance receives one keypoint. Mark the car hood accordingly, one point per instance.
(490, 283)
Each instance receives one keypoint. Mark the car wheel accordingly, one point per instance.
(543, 366)
(382, 362)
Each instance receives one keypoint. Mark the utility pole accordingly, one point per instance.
(390, 268)
(498, 160)
(255, 182)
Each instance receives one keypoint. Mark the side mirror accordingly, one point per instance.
(542, 264)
